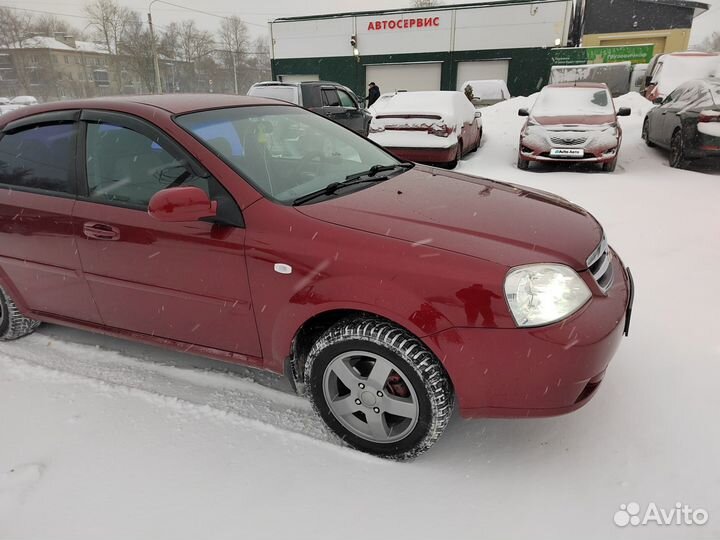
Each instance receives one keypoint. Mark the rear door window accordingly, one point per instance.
(40, 157)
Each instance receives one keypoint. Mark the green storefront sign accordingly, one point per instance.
(636, 54)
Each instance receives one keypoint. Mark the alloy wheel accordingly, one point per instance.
(370, 397)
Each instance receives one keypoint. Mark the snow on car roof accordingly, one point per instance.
(440, 102)
(564, 100)
(676, 69)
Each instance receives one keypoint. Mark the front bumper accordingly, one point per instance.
(595, 150)
(544, 371)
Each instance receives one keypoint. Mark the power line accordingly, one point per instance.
(47, 12)
(86, 18)
(205, 12)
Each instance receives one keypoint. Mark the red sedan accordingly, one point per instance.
(436, 127)
(257, 232)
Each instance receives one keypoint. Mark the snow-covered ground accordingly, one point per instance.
(101, 438)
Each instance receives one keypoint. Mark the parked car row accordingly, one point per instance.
(7, 105)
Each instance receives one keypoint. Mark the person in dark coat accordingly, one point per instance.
(373, 93)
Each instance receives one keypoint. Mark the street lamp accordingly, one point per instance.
(156, 64)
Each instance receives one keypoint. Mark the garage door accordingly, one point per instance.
(392, 77)
(482, 70)
(298, 78)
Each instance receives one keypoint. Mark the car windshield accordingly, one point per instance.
(286, 152)
(284, 93)
(573, 101)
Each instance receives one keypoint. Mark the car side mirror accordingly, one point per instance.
(624, 111)
(181, 204)
(658, 101)
(523, 112)
(478, 114)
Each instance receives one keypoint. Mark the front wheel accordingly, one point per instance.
(609, 166)
(646, 133)
(379, 388)
(13, 324)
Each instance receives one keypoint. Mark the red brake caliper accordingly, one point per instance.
(397, 386)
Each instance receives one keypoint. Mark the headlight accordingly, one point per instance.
(540, 294)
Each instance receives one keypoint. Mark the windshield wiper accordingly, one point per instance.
(372, 171)
(332, 187)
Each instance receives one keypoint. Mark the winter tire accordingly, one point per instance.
(458, 156)
(13, 324)
(379, 388)
(523, 164)
(677, 151)
(646, 133)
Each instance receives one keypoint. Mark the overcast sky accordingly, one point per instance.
(259, 13)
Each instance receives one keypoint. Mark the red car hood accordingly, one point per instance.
(502, 223)
(589, 120)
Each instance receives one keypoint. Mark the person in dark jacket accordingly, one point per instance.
(373, 93)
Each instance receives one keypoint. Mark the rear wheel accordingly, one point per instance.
(523, 164)
(379, 388)
(13, 324)
(677, 151)
(458, 156)
(646, 133)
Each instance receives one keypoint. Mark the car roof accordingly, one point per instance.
(280, 83)
(173, 103)
(578, 85)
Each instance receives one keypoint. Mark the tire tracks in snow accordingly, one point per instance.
(224, 396)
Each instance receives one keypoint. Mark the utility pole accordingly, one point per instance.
(232, 53)
(156, 64)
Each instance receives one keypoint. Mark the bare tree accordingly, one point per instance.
(169, 45)
(424, 3)
(111, 22)
(711, 43)
(135, 44)
(234, 35)
(47, 25)
(15, 28)
(192, 42)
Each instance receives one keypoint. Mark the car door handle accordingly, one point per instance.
(100, 231)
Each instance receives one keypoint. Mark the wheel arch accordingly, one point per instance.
(316, 325)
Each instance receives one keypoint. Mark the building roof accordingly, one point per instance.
(41, 42)
(698, 7)
(45, 42)
(413, 9)
(92, 47)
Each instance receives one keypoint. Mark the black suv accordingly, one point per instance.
(333, 100)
